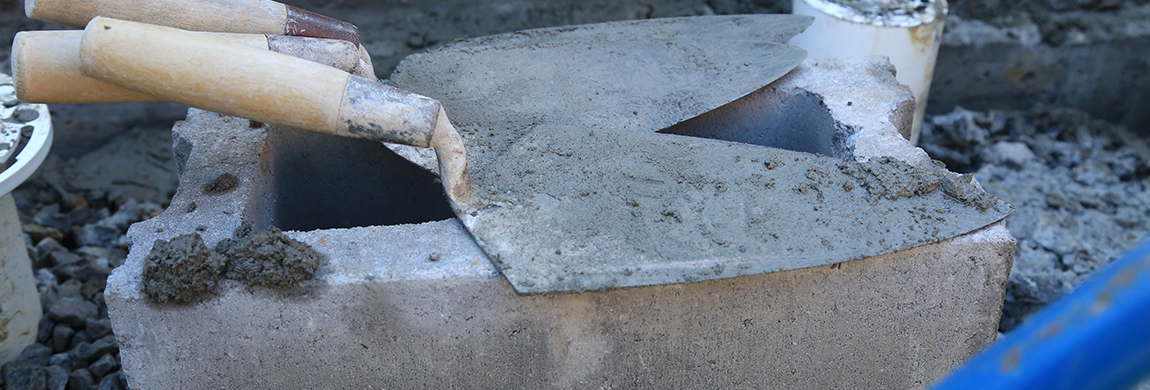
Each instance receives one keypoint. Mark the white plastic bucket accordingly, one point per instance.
(906, 31)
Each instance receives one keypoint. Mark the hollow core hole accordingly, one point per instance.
(796, 121)
(319, 181)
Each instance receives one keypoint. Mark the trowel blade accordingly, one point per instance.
(560, 124)
(615, 208)
(639, 75)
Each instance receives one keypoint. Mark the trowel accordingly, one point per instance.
(558, 169)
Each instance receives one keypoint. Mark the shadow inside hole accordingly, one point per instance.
(320, 181)
(796, 121)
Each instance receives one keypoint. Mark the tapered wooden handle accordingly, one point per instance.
(235, 16)
(216, 75)
(46, 68)
(46, 64)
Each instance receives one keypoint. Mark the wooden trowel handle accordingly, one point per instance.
(46, 64)
(235, 16)
(220, 76)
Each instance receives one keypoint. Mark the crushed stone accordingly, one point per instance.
(1081, 187)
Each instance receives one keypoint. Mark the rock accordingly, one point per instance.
(86, 215)
(80, 352)
(81, 337)
(113, 382)
(92, 287)
(35, 354)
(1094, 173)
(19, 376)
(105, 345)
(96, 255)
(62, 359)
(1011, 154)
(62, 337)
(39, 233)
(57, 377)
(128, 213)
(83, 271)
(106, 364)
(80, 380)
(48, 245)
(72, 311)
(48, 298)
(44, 330)
(50, 216)
(98, 328)
(117, 256)
(44, 280)
(99, 300)
(98, 236)
(62, 258)
(71, 288)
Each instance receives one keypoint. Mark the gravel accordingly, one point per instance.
(1081, 187)
(74, 236)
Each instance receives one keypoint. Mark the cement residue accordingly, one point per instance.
(221, 184)
(1081, 186)
(184, 269)
(181, 270)
(621, 208)
(585, 194)
(268, 258)
(893, 179)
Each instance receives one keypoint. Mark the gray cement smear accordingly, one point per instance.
(585, 195)
(183, 269)
(268, 258)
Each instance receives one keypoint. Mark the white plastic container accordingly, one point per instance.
(906, 31)
(29, 125)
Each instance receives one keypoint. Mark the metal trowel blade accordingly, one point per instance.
(582, 193)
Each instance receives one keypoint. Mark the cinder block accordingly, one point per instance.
(418, 305)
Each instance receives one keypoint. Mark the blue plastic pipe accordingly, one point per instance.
(1097, 337)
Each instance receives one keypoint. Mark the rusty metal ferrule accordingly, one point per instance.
(310, 24)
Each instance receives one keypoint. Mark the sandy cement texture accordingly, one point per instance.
(583, 193)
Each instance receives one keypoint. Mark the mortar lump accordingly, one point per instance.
(181, 270)
(893, 179)
(184, 269)
(268, 258)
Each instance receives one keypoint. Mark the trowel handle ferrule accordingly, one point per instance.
(216, 75)
(46, 64)
(235, 16)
